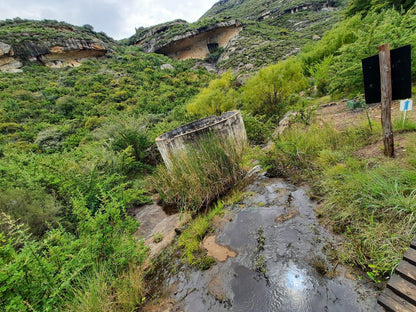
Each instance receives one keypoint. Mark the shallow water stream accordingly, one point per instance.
(279, 262)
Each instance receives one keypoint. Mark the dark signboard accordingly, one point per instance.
(400, 59)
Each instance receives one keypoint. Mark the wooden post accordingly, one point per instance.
(386, 98)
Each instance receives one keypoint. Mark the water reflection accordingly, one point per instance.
(298, 287)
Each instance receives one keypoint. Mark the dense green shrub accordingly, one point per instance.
(268, 91)
(335, 61)
(42, 274)
(220, 96)
(259, 128)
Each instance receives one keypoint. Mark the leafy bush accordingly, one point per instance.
(66, 105)
(220, 96)
(258, 128)
(41, 275)
(34, 208)
(268, 91)
(335, 61)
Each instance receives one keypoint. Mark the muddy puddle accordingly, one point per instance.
(277, 261)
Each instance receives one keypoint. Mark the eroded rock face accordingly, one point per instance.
(70, 53)
(196, 43)
(73, 53)
(7, 62)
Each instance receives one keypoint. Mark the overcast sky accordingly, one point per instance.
(117, 18)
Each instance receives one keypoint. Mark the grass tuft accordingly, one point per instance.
(200, 175)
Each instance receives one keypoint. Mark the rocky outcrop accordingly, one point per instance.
(316, 6)
(156, 31)
(7, 62)
(50, 43)
(192, 43)
(71, 52)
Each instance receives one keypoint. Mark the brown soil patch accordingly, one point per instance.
(164, 305)
(220, 253)
(401, 144)
(342, 117)
(219, 222)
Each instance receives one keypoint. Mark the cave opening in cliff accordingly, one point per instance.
(212, 47)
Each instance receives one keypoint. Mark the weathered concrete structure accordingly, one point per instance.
(228, 126)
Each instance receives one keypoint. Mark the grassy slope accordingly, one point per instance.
(267, 41)
(75, 145)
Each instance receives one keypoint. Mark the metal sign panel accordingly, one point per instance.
(401, 73)
(371, 72)
(400, 59)
(406, 105)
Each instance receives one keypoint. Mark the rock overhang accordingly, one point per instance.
(196, 43)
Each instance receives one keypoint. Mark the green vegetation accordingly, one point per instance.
(371, 202)
(76, 145)
(16, 31)
(190, 239)
(220, 96)
(335, 61)
(77, 148)
(268, 91)
(363, 6)
(259, 263)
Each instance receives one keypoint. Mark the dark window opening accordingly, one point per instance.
(212, 47)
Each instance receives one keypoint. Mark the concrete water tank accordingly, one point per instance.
(229, 126)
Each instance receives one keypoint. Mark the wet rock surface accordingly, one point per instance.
(280, 262)
(157, 227)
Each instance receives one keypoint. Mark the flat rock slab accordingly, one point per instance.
(156, 227)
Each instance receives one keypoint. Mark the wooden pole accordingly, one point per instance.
(386, 98)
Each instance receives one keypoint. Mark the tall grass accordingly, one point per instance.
(199, 175)
(375, 208)
(101, 291)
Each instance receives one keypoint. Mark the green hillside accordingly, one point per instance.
(77, 147)
(18, 30)
(273, 30)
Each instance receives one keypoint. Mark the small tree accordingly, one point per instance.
(218, 97)
(266, 92)
(88, 26)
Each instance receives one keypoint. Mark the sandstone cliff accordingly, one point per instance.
(190, 43)
(273, 29)
(244, 35)
(49, 43)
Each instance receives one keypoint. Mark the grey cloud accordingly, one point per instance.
(110, 16)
